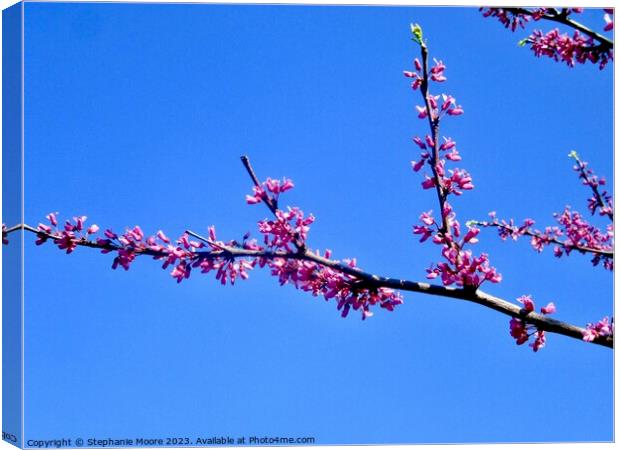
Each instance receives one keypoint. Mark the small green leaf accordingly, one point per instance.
(573, 154)
(522, 42)
(416, 31)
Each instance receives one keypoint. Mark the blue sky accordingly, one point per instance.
(137, 114)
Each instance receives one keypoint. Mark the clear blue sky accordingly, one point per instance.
(137, 114)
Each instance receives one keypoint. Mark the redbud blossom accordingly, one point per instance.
(609, 23)
(574, 232)
(528, 303)
(521, 331)
(602, 328)
(419, 142)
(573, 49)
(437, 72)
(52, 218)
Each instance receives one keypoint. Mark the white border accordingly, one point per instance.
(596, 3)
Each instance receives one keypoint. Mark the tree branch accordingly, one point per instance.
(579, 248)
(433, 124)
(542, 322)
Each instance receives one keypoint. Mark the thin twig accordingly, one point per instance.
(271, 203)
(597, 195)
(553, 240)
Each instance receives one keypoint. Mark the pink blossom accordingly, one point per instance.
(602, 328)
(52, 218)
(528, 303)
(66, 241)
(419, 142)
(162, 237)
(609, 23)
(447, 144)
(258, 196)
(539, 342)
(74, 227)
(277, 186)
(521, 331)
(437, 72)
(518, 331)
(44, 228)
(428, 182)
(549, 309)
(471, 234)
(427, 218)
(181, 272)
(135, 233)
(110, 234)
(448, 101)
(417, 165)
(251, 200)
(123, 258)
(459, 181)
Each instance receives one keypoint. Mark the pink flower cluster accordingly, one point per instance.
(602, 328)
(127, 246)
(574, 232)
(288, 227)
(227, 268)
(347, 290)
(275, 187)
(521, 331)
(284, 254)
(599, 200)
(448, 106)
(68, 238)
(436, 73)
(461, 267)
(448, 103)
(577, 48)
(292, 227)
(579, 233)
(514, 19)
